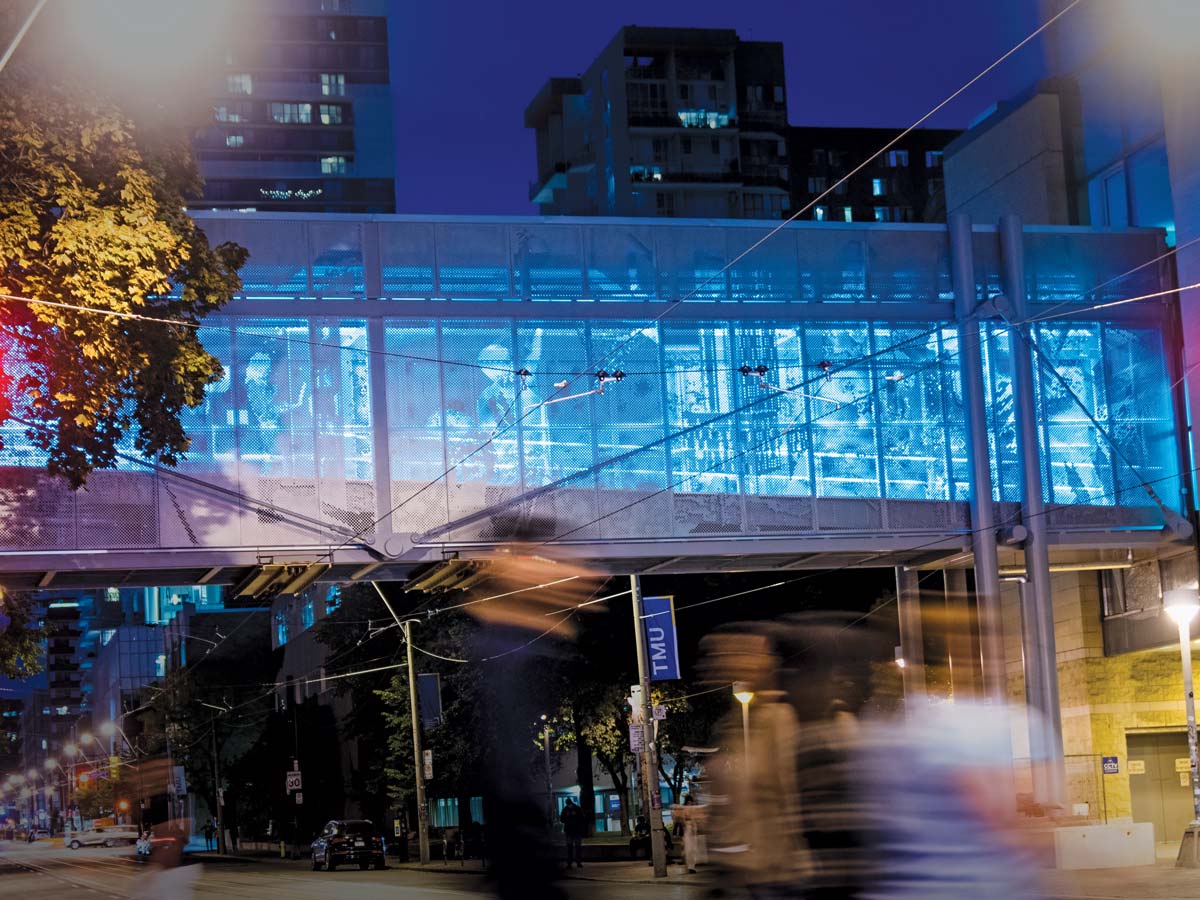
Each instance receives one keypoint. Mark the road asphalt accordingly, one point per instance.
(100, 874)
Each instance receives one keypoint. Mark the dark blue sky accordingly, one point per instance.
(462, 74)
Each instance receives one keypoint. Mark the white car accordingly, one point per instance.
(104, 835)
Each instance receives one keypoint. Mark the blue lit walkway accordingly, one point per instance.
(398, 386)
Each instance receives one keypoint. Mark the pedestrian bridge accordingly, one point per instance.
(402, 387)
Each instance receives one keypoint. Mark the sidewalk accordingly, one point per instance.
(623, 872)
(1158, 882)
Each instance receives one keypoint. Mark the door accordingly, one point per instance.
(1161, 794)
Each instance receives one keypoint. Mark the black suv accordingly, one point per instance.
(348, 841)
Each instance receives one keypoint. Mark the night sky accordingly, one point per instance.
(463, 73)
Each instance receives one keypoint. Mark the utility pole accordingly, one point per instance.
(651, 798)
(212, 718)
(418, 761)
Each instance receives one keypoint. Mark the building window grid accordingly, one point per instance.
(292, 113)
(333, 84)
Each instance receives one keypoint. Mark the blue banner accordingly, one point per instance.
(658, 628)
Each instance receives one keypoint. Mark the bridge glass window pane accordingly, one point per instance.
(416, 436)
(774, 411)
(481, 405)
(341, 400)
(212, 426)
(630, 414)
(272, 380)
(998, 398)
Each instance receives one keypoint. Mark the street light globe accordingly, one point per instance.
(71, 750)
(50, 764)
(108, 729)
(31, 774)
(1181, 604)
(741, 690)
(84, 738)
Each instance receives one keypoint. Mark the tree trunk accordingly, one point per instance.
(587, 784)
(616, 771)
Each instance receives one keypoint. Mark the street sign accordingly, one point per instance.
(660, 712)
(293, 782)
(1183, 764)
(114, 767)
(658, 620)
(299, 799)
(427, 759)
(637, 738)
(1109, 765)
(396, 827)
(295, 765)
(1137, 767)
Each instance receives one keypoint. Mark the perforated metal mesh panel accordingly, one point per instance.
(406, 252)
(337, 258)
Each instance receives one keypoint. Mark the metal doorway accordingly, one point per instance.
(1160, 792)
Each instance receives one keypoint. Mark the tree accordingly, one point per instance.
(92, 216)
(21, 653)
(691, 719)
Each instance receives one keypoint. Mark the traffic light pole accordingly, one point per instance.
(651, 797)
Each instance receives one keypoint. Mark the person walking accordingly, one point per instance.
(210, 831)
(574, 828)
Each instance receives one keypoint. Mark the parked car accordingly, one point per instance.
(104, 835)
(348, 841)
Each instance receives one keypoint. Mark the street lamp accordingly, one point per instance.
(741, 690)
(1181, 605)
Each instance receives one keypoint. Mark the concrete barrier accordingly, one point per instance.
(1104, 846)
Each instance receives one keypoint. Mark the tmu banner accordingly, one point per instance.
(658, 624)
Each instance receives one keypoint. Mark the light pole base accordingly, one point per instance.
(1189, 848)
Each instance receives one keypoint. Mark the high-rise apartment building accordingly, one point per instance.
(686, 122)
(902, 184)
(301, 111)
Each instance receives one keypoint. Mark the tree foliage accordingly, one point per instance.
(92, 215)
(21, 652)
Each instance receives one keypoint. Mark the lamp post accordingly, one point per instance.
(1182, 605)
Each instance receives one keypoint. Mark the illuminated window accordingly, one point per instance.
(820, 213)
(878, 187)
(239, 84)
(234, 111)
(847, 214)
(234, 140)
(331, 114)
(306, 614)
(160, 665)
(896, 158)
(289, 113)
(333, 598)
(333, 165)
(333, 85)
(883, 214)
(281, 628)
(933, 159)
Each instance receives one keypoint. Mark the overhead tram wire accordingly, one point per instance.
(1167, 255)
(1166, 292)
(676, 303)
(208, 325)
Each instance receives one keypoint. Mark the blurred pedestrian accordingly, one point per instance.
(210, 831)
(574, 830)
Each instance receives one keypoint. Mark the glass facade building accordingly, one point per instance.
(369, 356)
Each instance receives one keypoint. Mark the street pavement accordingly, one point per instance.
(45, 870)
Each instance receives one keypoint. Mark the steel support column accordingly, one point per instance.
(983, 519)
(964, 666)
(1037, 601)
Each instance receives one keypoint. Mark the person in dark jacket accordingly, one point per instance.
(574, 829)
